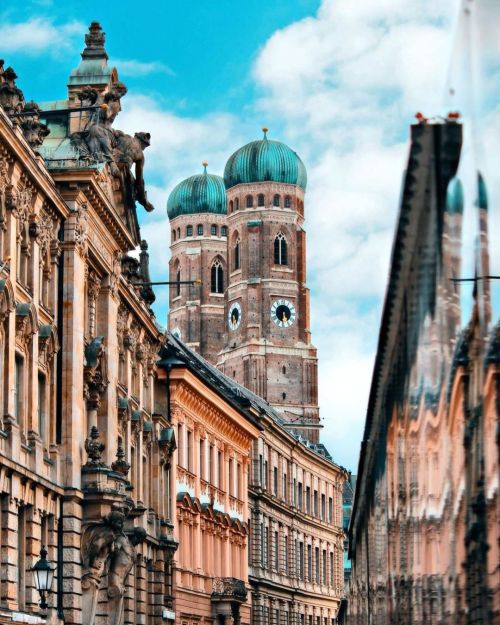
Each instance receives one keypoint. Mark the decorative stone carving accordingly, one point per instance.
(147, 292)
(94, 448)
(26, 322)
(120, 465)
(48, 344)
(80, 229)
(95, 372)
(93, 289)
(11, 97)
(33, 130)
(167, 445)
(130, 151)
(105, 546)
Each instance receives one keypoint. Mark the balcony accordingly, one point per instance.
(228, 589)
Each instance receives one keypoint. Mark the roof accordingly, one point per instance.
(265, 160)
(202, 193)
(176, 353)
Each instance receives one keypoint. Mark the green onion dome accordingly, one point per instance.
(203, 193)
(265, 160)
(455, 197)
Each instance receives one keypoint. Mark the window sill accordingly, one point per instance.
(218, 295)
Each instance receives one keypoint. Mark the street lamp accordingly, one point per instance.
(43, 573)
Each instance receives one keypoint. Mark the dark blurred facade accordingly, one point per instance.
(424, 532)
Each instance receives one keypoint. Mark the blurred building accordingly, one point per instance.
(424, 533)
(347, 501)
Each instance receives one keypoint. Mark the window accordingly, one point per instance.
(249, 201)
(276, 550)
(223, 231)
(288, 201)
(323, 507)
(275, 481)
(217, 277)
(261, 470)
(324, 567)
(42, 422)
(260, 200)
(18, 388)
(316, 565)
(330, 509)
(301, 560)
(178, 283)
(284, 490)
(231, 206)
(189, 231)
(178, 233)
(211, 475)
(231, 477)
(202, 458)
(276, 200)
(285, 554)
(239, 480)
(308, 500)
(237, 204)
(299, 503)
(309, 562)
(280, 250)
(199, 230)
(189, 465)
(265, 474)
(237, 255)
(263, 545)
(331, 568)
(220, 466)
(315, 503)
(214, 230)
(173, 235)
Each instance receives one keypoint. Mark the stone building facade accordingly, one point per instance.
(85, 451)
(424, 532)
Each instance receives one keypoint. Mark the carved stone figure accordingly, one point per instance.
(11, 97)
(130, 150)
(121, 562)
(105, 547)
(34, 131)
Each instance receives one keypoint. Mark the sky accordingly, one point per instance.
(339, 81)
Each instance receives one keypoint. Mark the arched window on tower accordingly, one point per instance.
(178, 281)
(276, 200)
(249, 201)
(260, 200)
(288, 201)
(280, 250)
(178, 233)
(237, 254)
(237, 204)
(199, 230)
(214, 230)
(189, 231)
(173, 234)
(223, 231)
(217, 277)
(231, 206)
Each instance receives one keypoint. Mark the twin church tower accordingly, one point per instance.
(241, 240)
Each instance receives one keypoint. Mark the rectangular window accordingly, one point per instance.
(276, 551)
(213, 230)
(331, 568)
(284, 487)
(265, 474)
(324, 567)
(262, 544)
(180, 439)
(315, 503)
(275, 481)
(323, 507)
(231, 477)
(42, 419)
(309, 563)
(21, 555)
(202, 458)
(316, 565)
(285, 554)
(220, 465)
(200, 230)
(299, 503)
(189, 465)
(223, 231)
(239, 478)
(261, 470)
(330, 509)
(308, 500)
(294, 494)
(301, 560)
(18, 388)
(211, 473)
(266, 546)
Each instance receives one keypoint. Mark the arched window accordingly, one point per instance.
(237, 254)
(288, 201)
(249, 201)
(213, 230)
(223, 231)
(231, 206)
(276, 200)
(237, 204)
(189, 231)
(199, 230)
(217, 277)
(178, 281)
(260, 200)
(178, 233)
(280, 250)
(173, 235)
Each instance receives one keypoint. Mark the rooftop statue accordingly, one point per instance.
(98, 141)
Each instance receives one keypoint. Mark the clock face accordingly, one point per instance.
(234, 316)
(283, 313)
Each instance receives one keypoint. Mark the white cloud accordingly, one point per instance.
(344, 86)
(37, 35)
(132, 67)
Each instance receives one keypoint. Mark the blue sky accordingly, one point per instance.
(339, 81)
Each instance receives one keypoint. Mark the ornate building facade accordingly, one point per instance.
(424, 533)
(239, 241)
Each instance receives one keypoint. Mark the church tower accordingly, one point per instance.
(267, 345)
(197, 211)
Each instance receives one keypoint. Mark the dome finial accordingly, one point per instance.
(205, 165)
(265, 130)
